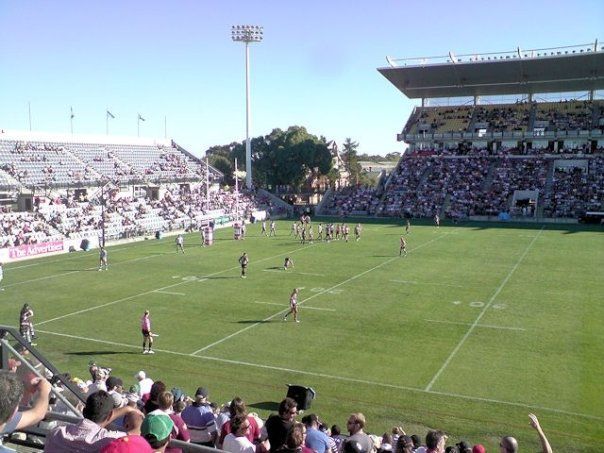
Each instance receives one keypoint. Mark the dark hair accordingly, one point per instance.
(237, 421)
(157, 388)
(352, 446)
(154, 443)
(98, 406)
(287, 405)
(237, 406)
(433, 438)
(11, 391)
(404, 445)
(179, 406)
(310, 419)
(452, 449)
(417, 442)
(335, 430)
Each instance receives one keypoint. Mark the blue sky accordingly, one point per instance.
(316, 66)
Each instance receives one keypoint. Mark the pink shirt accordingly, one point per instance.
(146, 323)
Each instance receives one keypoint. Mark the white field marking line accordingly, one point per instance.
(169, 292)
(291, 272)
(284, 305)
(251, 326)
(412, 282)
(157, 289)
(80, 270)
(339, 378)
(483, 311)
(22, 267)
(489, 326)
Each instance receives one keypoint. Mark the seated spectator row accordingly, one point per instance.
(63, 164)
(478, 183)
(148, 416)
(521, 117)
(178, 209)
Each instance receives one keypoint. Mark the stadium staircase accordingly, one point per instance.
(327, 197)
(31, 439)
(488, 180)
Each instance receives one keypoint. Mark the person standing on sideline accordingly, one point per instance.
(403, 248)
(357, 231)
(293, 305)
(273, 229)
(408, 227)
(202, 233)
(103, 259)
(26, 324)
(1, 275)
(147, 335)
(437, 220)
(180, 241)
(244, 261)
(263, 231)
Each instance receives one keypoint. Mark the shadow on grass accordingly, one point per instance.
(253, 321)
(274, 268)
(265, 406)
(101, 352)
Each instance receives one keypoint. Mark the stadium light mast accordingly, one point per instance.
(247, 34)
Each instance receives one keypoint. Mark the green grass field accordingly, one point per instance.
(478, 326)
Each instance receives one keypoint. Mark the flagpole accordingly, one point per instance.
(138, 125)
(236, 193)
(207, 184)
(71, 120)
(107, 121)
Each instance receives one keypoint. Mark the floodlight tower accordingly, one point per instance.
(247, 34)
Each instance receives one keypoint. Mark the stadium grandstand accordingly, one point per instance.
(61, 191)
(487, 141)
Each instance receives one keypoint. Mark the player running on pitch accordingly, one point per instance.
(288, 263)
(437, 220)
(293, 305)
(403, 248)
(408, 227)
(358, 229)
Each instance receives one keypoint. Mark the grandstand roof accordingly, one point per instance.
(509, 73)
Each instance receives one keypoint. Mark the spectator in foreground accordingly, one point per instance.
(435, 442)
(157, 430)
(278, 426)
(509, 444)
(356, 426)
(128, 444)
(11, 393)
(90, 434)
(200, 419)
(237, 441)
(315, 439)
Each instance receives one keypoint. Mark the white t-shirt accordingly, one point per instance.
(234, 444)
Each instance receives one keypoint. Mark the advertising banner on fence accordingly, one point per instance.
(24, 251)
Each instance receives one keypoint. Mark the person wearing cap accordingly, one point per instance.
(200, 419)
(157, 430)
(144, 383)
(479, 448)
(115, 387)
(128, 444)
(315, 438)
(180, 431)
(91, 433)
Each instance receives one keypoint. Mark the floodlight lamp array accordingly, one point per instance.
(247, 33)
